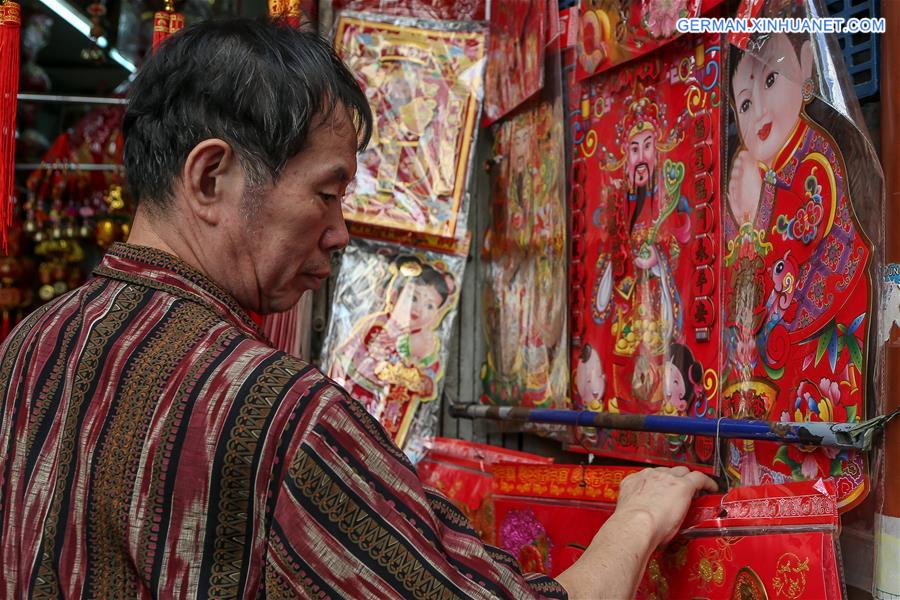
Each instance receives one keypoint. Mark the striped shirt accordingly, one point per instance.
(154, 445)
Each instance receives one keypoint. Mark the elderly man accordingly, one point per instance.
(155, 445)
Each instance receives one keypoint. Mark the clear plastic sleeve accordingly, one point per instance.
(424, 82)
(524, 253)
(515, 67)
(803, 244)
(613, 32)
(388, 337)
(446, 10)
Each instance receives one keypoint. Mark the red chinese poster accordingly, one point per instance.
(645, 240)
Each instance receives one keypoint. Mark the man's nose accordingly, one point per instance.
(336, 236)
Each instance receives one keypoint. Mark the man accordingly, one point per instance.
(155, 445)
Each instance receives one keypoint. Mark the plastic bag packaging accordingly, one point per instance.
(546, 515)
(524, 253)
(388, 337)
(613, 32)
(773, 541)
(515, 67)
(645, 253)
(802, 246)
(461, 470)
(424, 83)
(442, 10)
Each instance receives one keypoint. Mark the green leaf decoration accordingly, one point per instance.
(851, 414)
(775, 374)
(837, 467)
(855, 353)
(782, 457)
(823, 344)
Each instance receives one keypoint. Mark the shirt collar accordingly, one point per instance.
(154, 268)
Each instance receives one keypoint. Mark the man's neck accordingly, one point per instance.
(154, 232)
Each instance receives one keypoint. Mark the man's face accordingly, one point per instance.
(640, 158)
(297, 223)
(418, 306)
(768, 97)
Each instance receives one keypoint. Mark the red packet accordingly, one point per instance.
(772, 541)
(546, 515)
(461, 470)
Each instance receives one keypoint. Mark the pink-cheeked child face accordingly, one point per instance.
(768, 95)
(418, 306)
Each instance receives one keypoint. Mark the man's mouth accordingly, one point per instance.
(764, 131)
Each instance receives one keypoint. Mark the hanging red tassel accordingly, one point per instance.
(10, 25)
(165, 23)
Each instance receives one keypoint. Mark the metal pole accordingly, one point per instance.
(69, 167)
(56, 98)
(839, 435)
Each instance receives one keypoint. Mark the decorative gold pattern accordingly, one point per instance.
(237, 476)
(362, 530)
(46, 584)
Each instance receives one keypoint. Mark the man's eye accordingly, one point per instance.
(329, 197)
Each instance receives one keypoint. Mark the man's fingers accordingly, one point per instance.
(679, 471)
(702, 482)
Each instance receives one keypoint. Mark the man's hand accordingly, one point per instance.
(652, 504)
(661, 496)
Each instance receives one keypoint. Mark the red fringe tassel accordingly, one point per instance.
(10, 25)
(165, 23)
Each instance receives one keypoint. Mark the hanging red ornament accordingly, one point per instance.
(165, 23)
(10, 25)
(288, 11)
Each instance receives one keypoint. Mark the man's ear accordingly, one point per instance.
(211, 179)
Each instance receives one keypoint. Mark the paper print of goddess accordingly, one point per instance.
(387, 340)
(797, 271)
(424, 82)
(644, 249)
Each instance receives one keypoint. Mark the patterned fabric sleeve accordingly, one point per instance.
(352, 520)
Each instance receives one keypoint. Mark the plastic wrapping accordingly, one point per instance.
(614, 31)
(775, 541)
(388, 337)
(515, 67)
(462, 471)
(546, 515)
(802, 242)
(645, 247)
(424, 82)
(524, 253)
(445, 10)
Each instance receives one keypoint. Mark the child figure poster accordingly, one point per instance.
(387, 340)
(797, 266)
